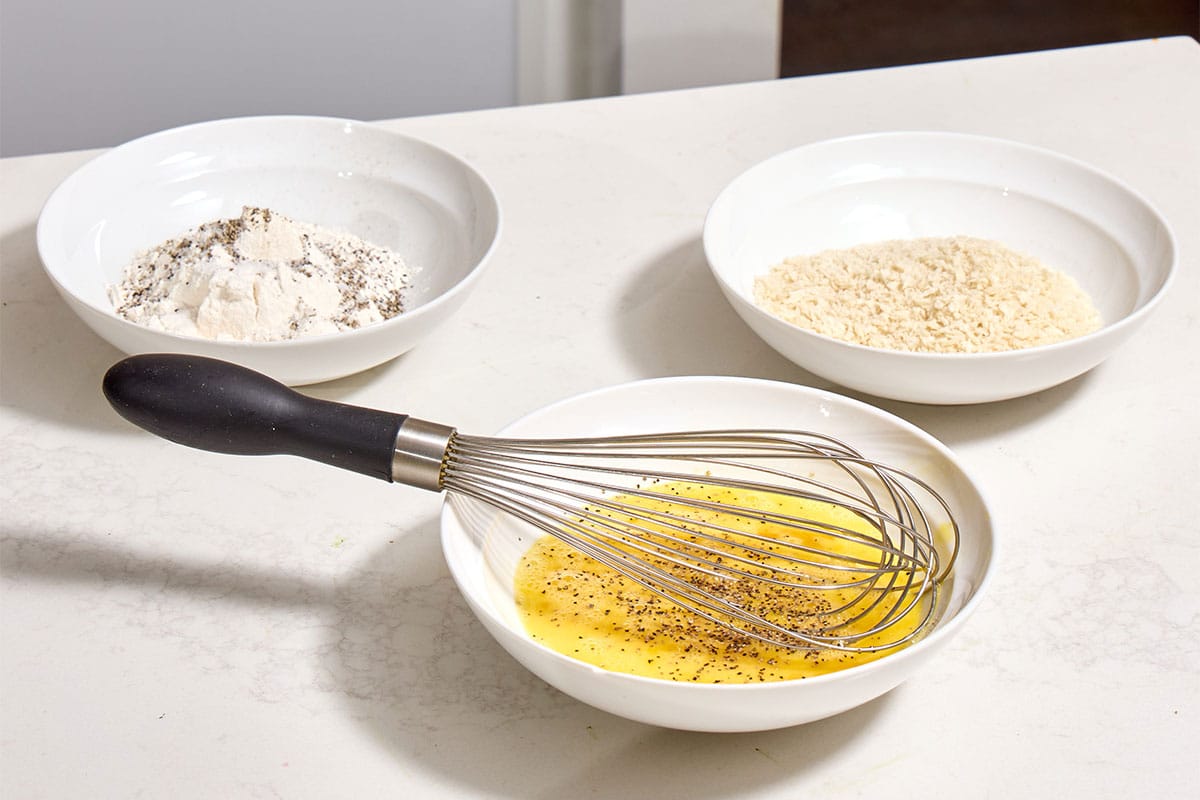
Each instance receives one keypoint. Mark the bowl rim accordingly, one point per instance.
(1128, 320)
(55, 202)
(931, 640)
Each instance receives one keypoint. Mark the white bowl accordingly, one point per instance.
(482, 547)
(394, 191)
(874, 187)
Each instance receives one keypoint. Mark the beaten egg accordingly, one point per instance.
(582, 608)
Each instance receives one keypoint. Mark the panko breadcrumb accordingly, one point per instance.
(954, 294)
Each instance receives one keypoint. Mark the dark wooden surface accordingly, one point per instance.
(837, 35)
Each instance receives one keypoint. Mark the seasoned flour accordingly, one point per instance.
(261, 277)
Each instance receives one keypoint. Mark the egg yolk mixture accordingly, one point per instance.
(582, 608)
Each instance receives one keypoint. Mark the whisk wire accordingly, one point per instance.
(698, 552)
(656, 539)
(503, 468)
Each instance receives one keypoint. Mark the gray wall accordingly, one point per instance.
(93, 73)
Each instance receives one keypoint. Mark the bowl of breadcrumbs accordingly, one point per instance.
(938, 267)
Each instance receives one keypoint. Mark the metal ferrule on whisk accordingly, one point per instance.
(420, 452)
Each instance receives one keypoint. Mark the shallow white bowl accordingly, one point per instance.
(482, 547)
(394, 191)
(874, 187)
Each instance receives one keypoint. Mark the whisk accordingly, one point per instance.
(740, 557)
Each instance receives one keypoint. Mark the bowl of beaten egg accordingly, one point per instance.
(306, 248)
(938, 267)
(485, 550)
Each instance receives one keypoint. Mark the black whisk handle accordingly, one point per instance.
(225, 408)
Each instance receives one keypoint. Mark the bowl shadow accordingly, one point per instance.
(672, 319)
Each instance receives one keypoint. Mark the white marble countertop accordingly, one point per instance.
(182, 624)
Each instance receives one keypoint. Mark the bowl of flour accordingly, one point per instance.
(307, 248)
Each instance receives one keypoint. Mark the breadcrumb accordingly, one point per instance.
(954, 294)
